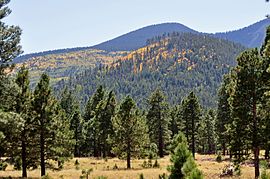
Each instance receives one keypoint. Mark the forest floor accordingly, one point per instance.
(211, 169)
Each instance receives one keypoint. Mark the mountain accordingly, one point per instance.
(177, 63)
(136, 39)
(63, 65)
(251, 36)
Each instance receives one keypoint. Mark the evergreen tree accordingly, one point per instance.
(52, 128)
(158, 121)
(104, 114)
(246, 128)
(183, 164)
(190, 114)
(174, 123)
(69, 102)
(223, 118)
(207, 133)
(76, 125)
(91, 125)
(10, 38)
(130, 131)
(24, 108)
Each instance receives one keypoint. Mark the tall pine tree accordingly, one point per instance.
(190, 113)
(158, 121)
(130, 131)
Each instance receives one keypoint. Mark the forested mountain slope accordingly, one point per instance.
(177, 63)
(62, 65)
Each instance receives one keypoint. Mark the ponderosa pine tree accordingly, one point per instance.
(10, 38)
(76, 125)
(158, 121)
(130, 131)
(223, 117)
(174, 123)
(52, 128)
(103, 117)
(190, 114)
(91, 126)
(247, 94)
(24, 108)
(207, 133)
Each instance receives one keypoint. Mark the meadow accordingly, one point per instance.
(101, 167)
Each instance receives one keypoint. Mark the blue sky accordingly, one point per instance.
(54, 24)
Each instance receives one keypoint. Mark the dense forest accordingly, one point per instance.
(176, 63)
(158, 100)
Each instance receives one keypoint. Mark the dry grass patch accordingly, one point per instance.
(211, 169)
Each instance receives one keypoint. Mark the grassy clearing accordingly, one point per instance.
(206, 163)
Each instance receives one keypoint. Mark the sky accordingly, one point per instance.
(57, 24)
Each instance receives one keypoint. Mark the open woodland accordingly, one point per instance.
(185, 105)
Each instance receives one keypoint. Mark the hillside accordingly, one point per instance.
(136, 39)
(251, 36)
(177, 63)
(62, 65)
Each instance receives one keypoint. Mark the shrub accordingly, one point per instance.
(101, 177)
(115, 167)
(219, 158)
(162, 176)
(17, 163)
(156, 164)
(47, 176)
(144, 165)
(87, 172)
(77, 164)
(141, 176)
(3, 165)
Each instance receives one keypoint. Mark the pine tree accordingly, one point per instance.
(10, 38)
(76, 125)
(52, 128)
(158, 121)
(91, 125)
(130, 131)
(190, 114)
(223, 118)
(23, 107)
(183, 164)
(246, 128)
(207, 133)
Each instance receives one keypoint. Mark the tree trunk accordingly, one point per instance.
(42, 154)
(24, 165)
(160, 138)
(193, 138)
(256, 162)
(128, 157)
(223, 149)
(255, 138)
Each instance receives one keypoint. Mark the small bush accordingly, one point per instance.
(149, 164)
(77, 164)
(141, 176)
(47, 176)
(162, 176)
(237, 170)
(219, 158)
(115, 167)
(17, 163)
(156, 164)
(265, 175)
(101, 177)
(144, 165)
(3, 165)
